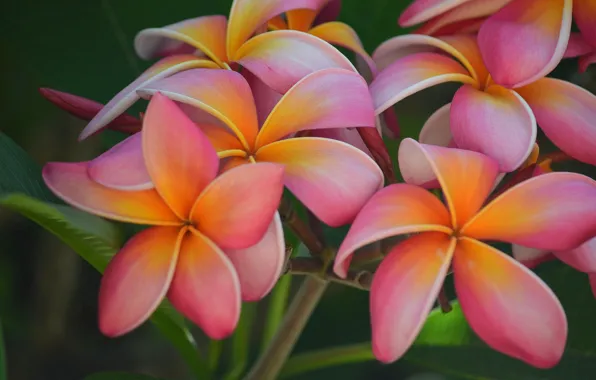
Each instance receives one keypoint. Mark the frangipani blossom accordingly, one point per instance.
(579, 47)
(507, 305)
(199, 223)
(278, 58)
(332, 179)
(484, 116)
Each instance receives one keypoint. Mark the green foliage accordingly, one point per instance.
(3, 367)
(119, 376)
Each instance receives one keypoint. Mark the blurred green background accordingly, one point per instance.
(48, 294)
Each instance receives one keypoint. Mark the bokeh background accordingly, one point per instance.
(48, 294)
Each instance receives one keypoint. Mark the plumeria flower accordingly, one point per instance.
(332, 179)
(580, 47)
(279, 58)
(507, 305)
(483, 115)
(200, 224)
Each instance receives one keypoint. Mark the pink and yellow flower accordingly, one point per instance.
(199, 225)
(484, 116)
(506, 304)
(579, 47)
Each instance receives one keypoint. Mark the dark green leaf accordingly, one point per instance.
(119, 376)
(3, 366)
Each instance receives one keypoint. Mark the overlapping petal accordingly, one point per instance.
(330, 98)
(507, 305)
(235, 210)
(553, 211)
(530, 257)
(137, 279)
(577, 46)
(421, 10)
(205, 287)
(70, 182)
(394, 210)
(525, 40)
(265, 98)
(329, 12)
(437, 130)
(586, 61)
(582, 258)
(301, 19)
(333, 179)
(347, 135)
(567, 115)
(404, 290)
(496, 122)
(584, 14)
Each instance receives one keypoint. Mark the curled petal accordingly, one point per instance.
(577, 46)
(553, 211)
(207, 34)
(496, 122)
(530, 257)
(334, 98)
(265, 97)
(128, 96)
(584, 14)
(507, 305)
(137, 279)
(281, 58)
(567, 115)
(466, 177)
(394, 210)
(236, 209)
(586, 61)
(582, 258)
(539, 30)
(122, 167)
(260, 265)
(180, 162)
(205, 287)
(423, 10)
(333, 179)
(70, 182)
(437, 130)
(404, 290)
(414, 73)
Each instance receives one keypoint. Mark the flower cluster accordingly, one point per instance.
(245, 106)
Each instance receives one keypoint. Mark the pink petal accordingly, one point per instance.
(265, 97)
(525, 40)
(334, 98)
(496, 122)
(530, 257)
(437, 130)
(582, 258)
(333, 179)
(586, 61)
(70, 182)
(137, 279)
(584, 14)
(422, 10)
(260, 265)
(122, 167)
(577, 46)
(347, 135)
(567, 115)
(207, 34)
(414, 73)
(553, 211)
(330, 12)
(281, 58)
(236, 209)
(466, 177)
(508, 306)
(461, 27)
(394, 210)
(404, 290)
(221, 93)
(205, 287)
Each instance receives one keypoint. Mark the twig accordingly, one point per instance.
(300, 228)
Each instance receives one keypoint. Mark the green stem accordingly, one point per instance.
(327, 357)
(276, 308)
(3, 367)
(241, 341)
(273, 358)
(215, 348)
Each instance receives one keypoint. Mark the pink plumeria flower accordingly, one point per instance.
(200, 223)
(579, 47)
(279, 58)
(507, 305)
(484, 116)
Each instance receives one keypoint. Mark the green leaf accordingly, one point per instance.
(241, 342)
(3, 366)
(119, 376)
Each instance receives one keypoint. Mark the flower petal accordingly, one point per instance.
(553, 211)
(582, 258)
(334, 98)
(348, 135)
(437, 130)
(404, 290)
(530, 257)
(265, 97)
(577, 46)
(333, 179)
(414, 73)
(236, 209)
(260, 265)
(466, 177)
(205, 287)
(122, 167)
(586, 61)
(70, 182)
(221, 93)
(525, 40)
(421, 10)
(301, 19)
(137, 279)
(128, 96)
(277, 23)
(507, 305)
(207, 33)
(496, 122)
(329, 12)
(283, 57)
(584, 14)
(567, 115)
(247, 15)
(394, 210)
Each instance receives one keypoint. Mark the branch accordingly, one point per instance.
(300, 228)
(308, 266)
